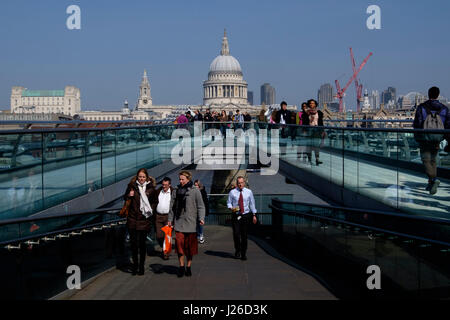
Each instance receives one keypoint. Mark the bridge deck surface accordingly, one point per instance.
(217, 275)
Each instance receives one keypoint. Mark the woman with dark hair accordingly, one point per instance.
(314, 118)
(187, 209)
(303, 149)
(223, 119)
(201, 187)
(141, 191)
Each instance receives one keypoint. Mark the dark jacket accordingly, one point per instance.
(205, 200)
(286, 115)
(421, 115)
(135, 220)
(434, 106)
(305, 118)
(198, 117)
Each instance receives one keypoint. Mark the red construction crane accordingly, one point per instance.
(358, 86)
(341, 92)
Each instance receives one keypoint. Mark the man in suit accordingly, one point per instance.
(242, 204)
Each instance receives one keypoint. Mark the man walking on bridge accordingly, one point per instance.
(431, 115)
(241, 202)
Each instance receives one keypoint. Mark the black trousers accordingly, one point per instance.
(240, 231)
(138, 246)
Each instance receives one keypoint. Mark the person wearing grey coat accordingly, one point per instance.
(188, 207)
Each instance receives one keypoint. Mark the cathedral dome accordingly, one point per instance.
(227, 64)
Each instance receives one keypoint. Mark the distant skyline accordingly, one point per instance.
(296, 46)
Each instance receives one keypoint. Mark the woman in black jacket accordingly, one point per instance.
(141, 192)
(314, 118)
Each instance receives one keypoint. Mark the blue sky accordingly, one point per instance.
(294, 45)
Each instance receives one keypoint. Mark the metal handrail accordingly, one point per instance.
(43, 236)
(37, 218)
(392, 130)
(364, 211)
(362, 226)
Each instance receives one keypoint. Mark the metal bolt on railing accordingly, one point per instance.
(76, 233)
(61, 236)
(97, 228)
(408, 241)
(87, 231)
(114, 224)
(31, 242)
(48, 238)
(426, 245)
(11, 247)
(106, 226)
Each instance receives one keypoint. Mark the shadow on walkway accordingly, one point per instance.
(219, 254)
(159, 268)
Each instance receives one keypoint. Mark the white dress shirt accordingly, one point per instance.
(163, 202)
(249, 200)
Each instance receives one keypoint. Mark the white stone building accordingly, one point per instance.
(67, 101)
(225, 85)
(124, 114)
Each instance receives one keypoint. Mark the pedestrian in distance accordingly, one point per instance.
(201, 187)
(242, 205)
(186, 210)
(140, 190)
(314, 118)
(431, 115)
(303, 148)
(283, 117)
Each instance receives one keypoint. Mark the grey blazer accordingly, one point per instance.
(195, 210)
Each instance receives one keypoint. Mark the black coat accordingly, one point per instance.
(286, 115)
(136, 220)
(305, 118)
(205, 200)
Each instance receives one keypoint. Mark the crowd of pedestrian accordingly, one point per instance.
(184, 209)
(217, 120)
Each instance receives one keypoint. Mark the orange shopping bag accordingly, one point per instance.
(167, 245)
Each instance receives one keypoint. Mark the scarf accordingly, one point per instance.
(313, 117)
(145, 207)
(180, 200)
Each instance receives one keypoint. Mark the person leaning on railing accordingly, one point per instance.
(431, 115)
(314, 117)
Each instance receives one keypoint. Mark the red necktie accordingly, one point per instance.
(241, 202)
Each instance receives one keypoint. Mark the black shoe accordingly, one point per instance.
(180, 272)
(244, 257)
(134, 269)
(141, 270)
(188, 272)
(237, 255)
(318, 162)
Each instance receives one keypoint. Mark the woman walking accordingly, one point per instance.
(140, 190)
(187, 209)
(314, 117)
